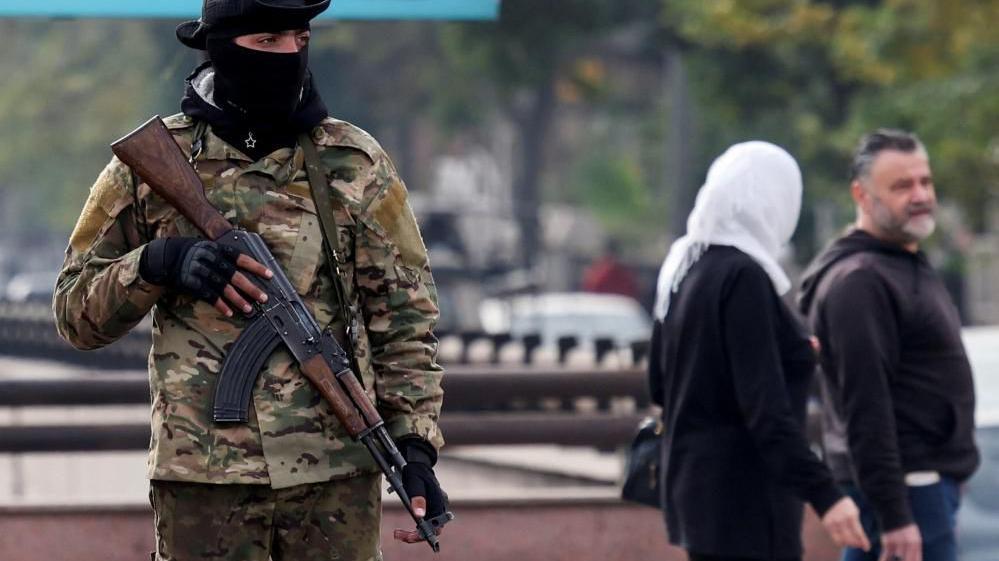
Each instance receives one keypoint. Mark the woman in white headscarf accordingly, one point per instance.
(731, 366)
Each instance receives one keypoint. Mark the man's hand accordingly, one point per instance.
(903, 544)
(428, 498)
(842, 521)
(204, 269)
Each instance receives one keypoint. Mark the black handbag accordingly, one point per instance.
(641, 475)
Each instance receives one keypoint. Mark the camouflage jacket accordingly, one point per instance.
(292, 436)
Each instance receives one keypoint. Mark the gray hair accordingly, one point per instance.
(878, 141)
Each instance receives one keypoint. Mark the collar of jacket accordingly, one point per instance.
(283, 164)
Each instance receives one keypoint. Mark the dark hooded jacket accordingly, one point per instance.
(898, 395)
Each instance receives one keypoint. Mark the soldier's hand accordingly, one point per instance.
(205, 269)
(429, 500)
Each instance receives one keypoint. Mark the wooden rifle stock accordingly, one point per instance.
(154, 155)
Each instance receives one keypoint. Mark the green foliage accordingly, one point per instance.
(67, 93)
(535, 43)
(811, 75)
(955, 118)
(614, 188)
(814, 75)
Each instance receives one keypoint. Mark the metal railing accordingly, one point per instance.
(28, 330)
(598, 408)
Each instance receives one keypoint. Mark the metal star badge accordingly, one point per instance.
(251, 142)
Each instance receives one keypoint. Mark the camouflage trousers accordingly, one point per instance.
(336, 520)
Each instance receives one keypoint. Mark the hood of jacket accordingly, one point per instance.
(855, 241)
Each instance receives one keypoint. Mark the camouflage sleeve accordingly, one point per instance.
(399, 306)
(99, 295)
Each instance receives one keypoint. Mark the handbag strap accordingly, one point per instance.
(323, 199)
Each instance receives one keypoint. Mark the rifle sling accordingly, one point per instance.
(323, 199)
(198, 141)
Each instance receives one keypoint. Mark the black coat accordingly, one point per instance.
(731, 367)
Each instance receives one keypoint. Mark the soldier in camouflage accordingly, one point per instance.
(289, 484)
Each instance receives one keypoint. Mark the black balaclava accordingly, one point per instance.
(261, 101)
(261, 88)
(256, 101)
(251, 137)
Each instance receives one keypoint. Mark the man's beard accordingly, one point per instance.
(915, 224)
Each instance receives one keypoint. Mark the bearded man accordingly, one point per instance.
(897, 387)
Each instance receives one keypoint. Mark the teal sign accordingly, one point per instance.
(189, 9)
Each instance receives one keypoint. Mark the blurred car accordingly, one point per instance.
(583, 315)
(35, 286)
(978, 518)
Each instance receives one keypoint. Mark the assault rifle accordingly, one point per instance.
(154, 155)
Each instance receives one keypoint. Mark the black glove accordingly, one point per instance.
(198, 267)
(418, 476)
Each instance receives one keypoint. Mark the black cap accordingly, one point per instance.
(248, 16)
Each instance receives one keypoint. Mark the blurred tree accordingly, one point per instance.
(535, 58)
(67, 93)
(581, 79)
(386, 85)
(813, 75)
(615, 189)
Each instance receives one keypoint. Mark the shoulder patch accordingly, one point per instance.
(334, 132)
(394, 215)
(108, 196)
(344, 163)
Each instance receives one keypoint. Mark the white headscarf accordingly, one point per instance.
(751, 201)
